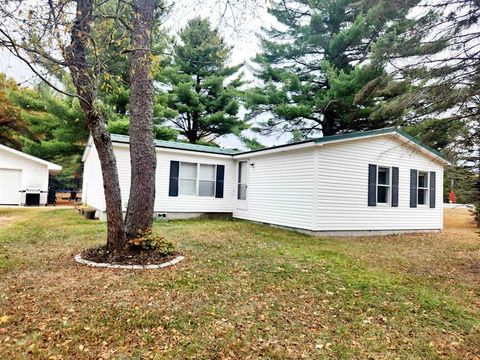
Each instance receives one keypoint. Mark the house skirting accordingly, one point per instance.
(355, 233)
(160, 215)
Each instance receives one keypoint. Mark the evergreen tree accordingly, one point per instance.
(58, 132)
(203, 101)
(437, 59)
(321, 66)
(114, 91)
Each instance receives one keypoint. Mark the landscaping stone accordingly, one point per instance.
(80, 260)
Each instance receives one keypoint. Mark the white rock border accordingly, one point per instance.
(78, 258)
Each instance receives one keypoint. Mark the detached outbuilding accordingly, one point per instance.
(24, 178)
(379, 181)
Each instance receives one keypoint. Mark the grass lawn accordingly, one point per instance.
(245, 291)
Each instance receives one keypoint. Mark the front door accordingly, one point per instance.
(242, 185)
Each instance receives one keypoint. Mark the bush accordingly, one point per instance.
(150, 242)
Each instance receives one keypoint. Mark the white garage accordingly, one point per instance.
(24, 178)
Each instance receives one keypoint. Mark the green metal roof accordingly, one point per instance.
(389, 130)
(357, 134)
(179, 145)
(340, 137)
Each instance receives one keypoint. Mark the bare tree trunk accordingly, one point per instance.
(143, 157)
(76, 56)
(116, 237)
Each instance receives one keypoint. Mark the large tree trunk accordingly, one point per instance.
(76, 56)
(116, 237)
(143, 158)
(328, 123)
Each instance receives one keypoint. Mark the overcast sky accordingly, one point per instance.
(239, 26)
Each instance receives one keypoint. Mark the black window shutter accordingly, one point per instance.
(372, 185)
(433, 185)
(413, 188)
(173, 185)
(219, 181)
(394, 186)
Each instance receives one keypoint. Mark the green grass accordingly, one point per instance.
(244, 291)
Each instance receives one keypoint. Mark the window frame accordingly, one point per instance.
(199, 165)
(425, 188)
(180, 178)
(197, 179)
(245, 162)
(388, 186)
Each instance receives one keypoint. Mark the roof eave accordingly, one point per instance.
(423, 148)
(49, 164)
(385, 132)
(392, 131)
(123, 139)
(120, 143)
(275, 149)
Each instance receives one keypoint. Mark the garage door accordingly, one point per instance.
(10, 182)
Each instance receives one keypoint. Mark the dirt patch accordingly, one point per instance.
(130, 256)
(475, 268)
(458, 218)
(7, 220)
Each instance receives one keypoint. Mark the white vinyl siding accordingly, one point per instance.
(280, 189)
(342, 187)
(92, 189)
(163, 202)
(319, 188)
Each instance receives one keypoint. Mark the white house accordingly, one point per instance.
(380, 180)
(24, 178)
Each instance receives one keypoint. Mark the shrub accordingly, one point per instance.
(151, 242)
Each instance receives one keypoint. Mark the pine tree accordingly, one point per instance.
(203, 102)
(321, 68)
(58, 132)
(114, 91)
(437, 59)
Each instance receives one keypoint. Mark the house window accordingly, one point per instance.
(196, 179)
(187, 179)
(206, 182)
(383, 185)
(242, 181)
(422, 188)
